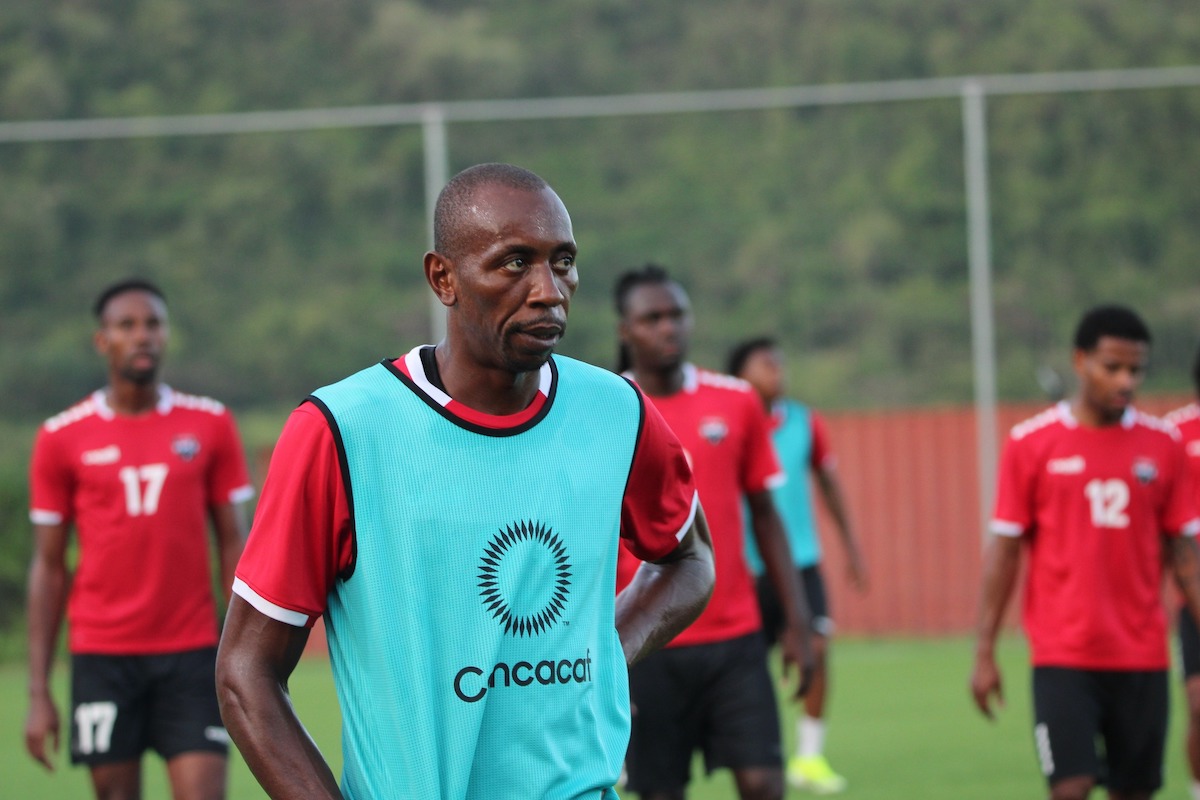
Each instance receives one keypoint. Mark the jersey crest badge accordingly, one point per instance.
(714, 430)
(186, 446)
(1145, 470)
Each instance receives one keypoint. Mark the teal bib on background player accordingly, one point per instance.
(793, 499)
(473, 644)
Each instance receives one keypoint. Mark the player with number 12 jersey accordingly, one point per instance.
(1107, 495)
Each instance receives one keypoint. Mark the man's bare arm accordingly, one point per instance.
(831, 490)
(229, 531)
(255, 660)
(1183, 556)
(666, 596)
(1001, 564)
(45, 603)
(795, 639)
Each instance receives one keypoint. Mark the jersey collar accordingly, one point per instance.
(412, 366)
(1067, 418)
(691, 377)
(166, 401)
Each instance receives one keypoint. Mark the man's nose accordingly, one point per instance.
(547, 288)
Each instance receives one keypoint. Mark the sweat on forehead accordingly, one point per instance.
(455, 203)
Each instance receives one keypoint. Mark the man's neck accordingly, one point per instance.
(659, 383)
(490, 391)
(128, 398)
(1090, 417)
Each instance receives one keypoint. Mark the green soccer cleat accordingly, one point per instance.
(814, 774)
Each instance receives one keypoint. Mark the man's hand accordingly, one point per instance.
(796, 646)
(42, 723)
(985, 682)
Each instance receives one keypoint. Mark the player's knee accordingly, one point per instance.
(1077, 788)
(759, 784)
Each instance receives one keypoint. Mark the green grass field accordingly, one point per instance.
(903, 728)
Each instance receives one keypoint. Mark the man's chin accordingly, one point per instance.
(141, 377)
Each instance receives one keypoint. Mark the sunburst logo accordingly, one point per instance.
(524, 578)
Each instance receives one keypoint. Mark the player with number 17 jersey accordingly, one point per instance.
(1103, 496)
(137, 489)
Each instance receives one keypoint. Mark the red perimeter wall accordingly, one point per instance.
(911, 486)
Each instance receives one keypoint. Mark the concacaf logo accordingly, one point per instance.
(525, 577)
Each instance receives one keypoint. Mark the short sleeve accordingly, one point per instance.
(660, 496)
(760, 465)
(51, 482)
(1180, 513)
(302, 537)
(229, 480)
(821, 454)
(1013, 514)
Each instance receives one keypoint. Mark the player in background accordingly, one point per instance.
(1097, 494)
(455, 514)
(1187, 420)
(802, 444)
(710, 688)
(137, 470)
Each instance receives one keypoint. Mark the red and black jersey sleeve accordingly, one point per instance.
(660, 497)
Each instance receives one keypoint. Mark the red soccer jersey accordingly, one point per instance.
(138, 490)
(1092, 504)
(1187, 420)
(303, 534)
(726, 433)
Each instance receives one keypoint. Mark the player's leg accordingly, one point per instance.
(1066, 711)
(121, 780)
(743, 716)
(1189, 650)
(198, 776)
(108, 722)
(666, 719)
(1134, 728)
(809, 768)
(185, 725)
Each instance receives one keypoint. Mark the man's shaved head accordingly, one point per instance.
(454, 202)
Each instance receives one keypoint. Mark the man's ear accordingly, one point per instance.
(100, 341)
(439, 272)
(1078, 357)
(622, 332)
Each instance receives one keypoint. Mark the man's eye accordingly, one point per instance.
(565, 263)
(516, 265)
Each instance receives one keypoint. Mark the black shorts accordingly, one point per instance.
(716, 698)
(1189, 644)
(1126, 711)
(814, 592)
(122, 706)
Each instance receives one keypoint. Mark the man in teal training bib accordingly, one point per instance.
(455, 514)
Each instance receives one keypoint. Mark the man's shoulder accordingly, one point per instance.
(1045, 423)
(185, 401)
(596, 383)
(87, 408)
(725, 391)
(1186, 418)
(1150, 425)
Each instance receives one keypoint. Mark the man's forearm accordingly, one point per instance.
(46, 598)
(255, 658)
(1185, 564)
(1000, 569)
(664, 598)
